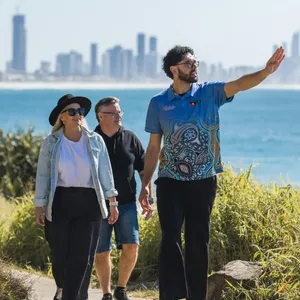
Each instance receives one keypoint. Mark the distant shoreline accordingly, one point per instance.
(112, 86)
(80, 85)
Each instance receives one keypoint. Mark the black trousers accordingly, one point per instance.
(49, 238)
(188, 202)
(73, 236)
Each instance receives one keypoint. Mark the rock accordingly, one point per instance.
(235, 271)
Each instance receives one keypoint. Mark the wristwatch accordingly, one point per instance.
(113, 203)
(151, 200)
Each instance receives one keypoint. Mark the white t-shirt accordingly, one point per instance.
(74, 167)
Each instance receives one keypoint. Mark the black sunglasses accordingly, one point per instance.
(72, 111)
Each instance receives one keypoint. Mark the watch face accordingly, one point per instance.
(151, 200)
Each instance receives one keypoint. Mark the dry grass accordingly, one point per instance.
(6, 209)
(11, 287)
(147, 294)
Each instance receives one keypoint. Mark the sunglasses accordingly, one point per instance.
(72, 111)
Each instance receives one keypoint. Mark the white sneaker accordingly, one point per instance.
(58, 294)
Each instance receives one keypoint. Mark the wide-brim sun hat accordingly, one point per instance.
(65, 101)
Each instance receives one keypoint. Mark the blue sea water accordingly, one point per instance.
(259, 126)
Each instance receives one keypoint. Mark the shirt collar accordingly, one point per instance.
(192, 92)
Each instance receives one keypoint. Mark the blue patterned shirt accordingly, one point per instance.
(190, 127)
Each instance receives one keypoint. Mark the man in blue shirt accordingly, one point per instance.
(187, 116)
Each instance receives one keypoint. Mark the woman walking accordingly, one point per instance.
(74, 178)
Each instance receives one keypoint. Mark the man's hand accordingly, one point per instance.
(275, 61)
(143, 198)
(114, 215)
(40, 216)
(249, 81)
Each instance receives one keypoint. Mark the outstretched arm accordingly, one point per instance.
(249, 81)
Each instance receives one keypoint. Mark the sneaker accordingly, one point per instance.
(58, 294)
(107, 296)
(120, 294)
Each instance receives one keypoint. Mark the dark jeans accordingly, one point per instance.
(190, 202)
(73, 236)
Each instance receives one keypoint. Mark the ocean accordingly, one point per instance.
(259, 127)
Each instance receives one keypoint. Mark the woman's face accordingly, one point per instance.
(72, 115)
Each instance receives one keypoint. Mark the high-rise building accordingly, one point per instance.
(203, 71)
(152, 44)
(295, 45)
(105, 67)
(151, 64)
(140, 59)
(62, 64)
(116, 62)
(284, 45)
(19, 44)
(45, 67)
(76, 63)
(94, 55)
(152, 58)
(69, 64)
(127, 64)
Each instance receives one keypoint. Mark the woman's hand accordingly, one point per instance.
(40, 216)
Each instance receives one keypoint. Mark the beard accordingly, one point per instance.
(187, 77)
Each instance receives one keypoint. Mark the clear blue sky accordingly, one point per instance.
(233, 32)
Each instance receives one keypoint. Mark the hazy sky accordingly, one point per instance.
(233, 32)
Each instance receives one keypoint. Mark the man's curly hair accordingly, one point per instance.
(174, 56)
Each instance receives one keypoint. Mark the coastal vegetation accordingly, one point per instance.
(250, 221)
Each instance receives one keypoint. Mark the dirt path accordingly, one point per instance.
(43, 288)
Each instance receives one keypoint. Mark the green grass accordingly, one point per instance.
(21, 240)
(259, 223)
(250, 221)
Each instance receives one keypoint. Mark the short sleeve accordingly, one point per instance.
(218, 94)
(152, 120)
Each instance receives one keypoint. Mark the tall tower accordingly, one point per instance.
(152, 58)
(94, 54)
(19, 44)
(152, 44)
(295, 45)
(140, 60)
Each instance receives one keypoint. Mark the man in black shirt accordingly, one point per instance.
(126, 156)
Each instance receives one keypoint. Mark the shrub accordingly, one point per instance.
(18, 162)
(260, 223)
(23, 240)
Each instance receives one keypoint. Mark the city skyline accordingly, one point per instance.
(19, 50)
(125, 64)
(226, 34)
(116, 62)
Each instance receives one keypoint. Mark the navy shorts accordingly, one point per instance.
(126, 229)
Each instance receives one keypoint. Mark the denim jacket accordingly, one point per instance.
(47, 171)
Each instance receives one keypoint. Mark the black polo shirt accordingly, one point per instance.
(126, 155)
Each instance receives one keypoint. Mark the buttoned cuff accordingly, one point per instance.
(38, 202)
(111, 193)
